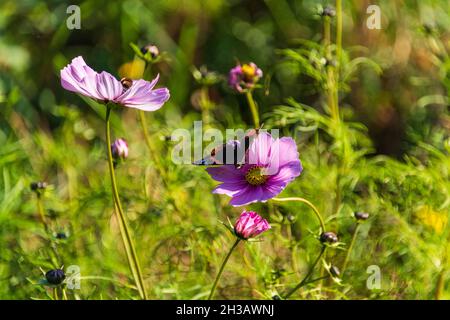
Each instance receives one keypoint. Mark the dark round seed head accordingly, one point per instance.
(40, 185)
(276, 297)
(328, 237)
(335, 272)
(61, 235)
(361, 215)
(55, 276)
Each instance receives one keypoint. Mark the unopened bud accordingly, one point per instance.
(361, 216)
(328, 237)
(55, 276)
(328, 11)
(335, 272)
(38, 186)
(152, 49)
(119, 149)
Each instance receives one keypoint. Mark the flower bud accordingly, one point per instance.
(328, 11)
(334, 271)
(249, 225)
(291, 218)
(152, 49)
(61, 235)
(328, 237)
(55, 276)
(361, 216)
(330, 63)
(119, 149)
(244, 76)
(203, 76)
(38, 186)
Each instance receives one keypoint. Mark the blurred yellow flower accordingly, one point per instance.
(431, 218)
(133, 69)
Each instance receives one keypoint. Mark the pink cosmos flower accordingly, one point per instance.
(271, 164)
(249, 225)
(244, 76)
(80, 78)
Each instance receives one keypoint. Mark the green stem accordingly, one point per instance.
(152, 151)
(253, 108)
(55, 294)
(221, 269)
(337, 200)
(441, 276)
(349, 250)
(64, 294)
(338, 33)
(124, 230)
(338, 58)
(311, 270)
(205, 105)
(331, 82)
(316, 279)
(143, 121)
(313, 207)
(58, 262)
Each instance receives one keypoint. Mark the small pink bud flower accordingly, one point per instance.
(154, 51)
(244, 76)
(249, 225)
(119, 149)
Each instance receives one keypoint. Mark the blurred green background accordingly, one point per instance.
(47, 133)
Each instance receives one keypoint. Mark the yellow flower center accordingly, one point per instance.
(248, 71)
(255, 176)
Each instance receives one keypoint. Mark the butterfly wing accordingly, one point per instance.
(233, 152)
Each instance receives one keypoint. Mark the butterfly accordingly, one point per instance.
(233, 152)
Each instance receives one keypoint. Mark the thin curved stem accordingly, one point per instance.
(313, 207)
(58, 263)
(148, 142)
(316, 279)
(205, 105)
(143, 122)
(338, 58)
(338, 32)
(440, 283)
(124, 230)
(349, 250)
(311, 270)
(55, 294)
(64, 294)
(221, 269)
(253, 108)
(331, 79)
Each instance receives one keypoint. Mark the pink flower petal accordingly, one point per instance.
(259, 150)
(227, 173)
(108, 87)
(76, 77)
(229, 189)
(141, 96)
